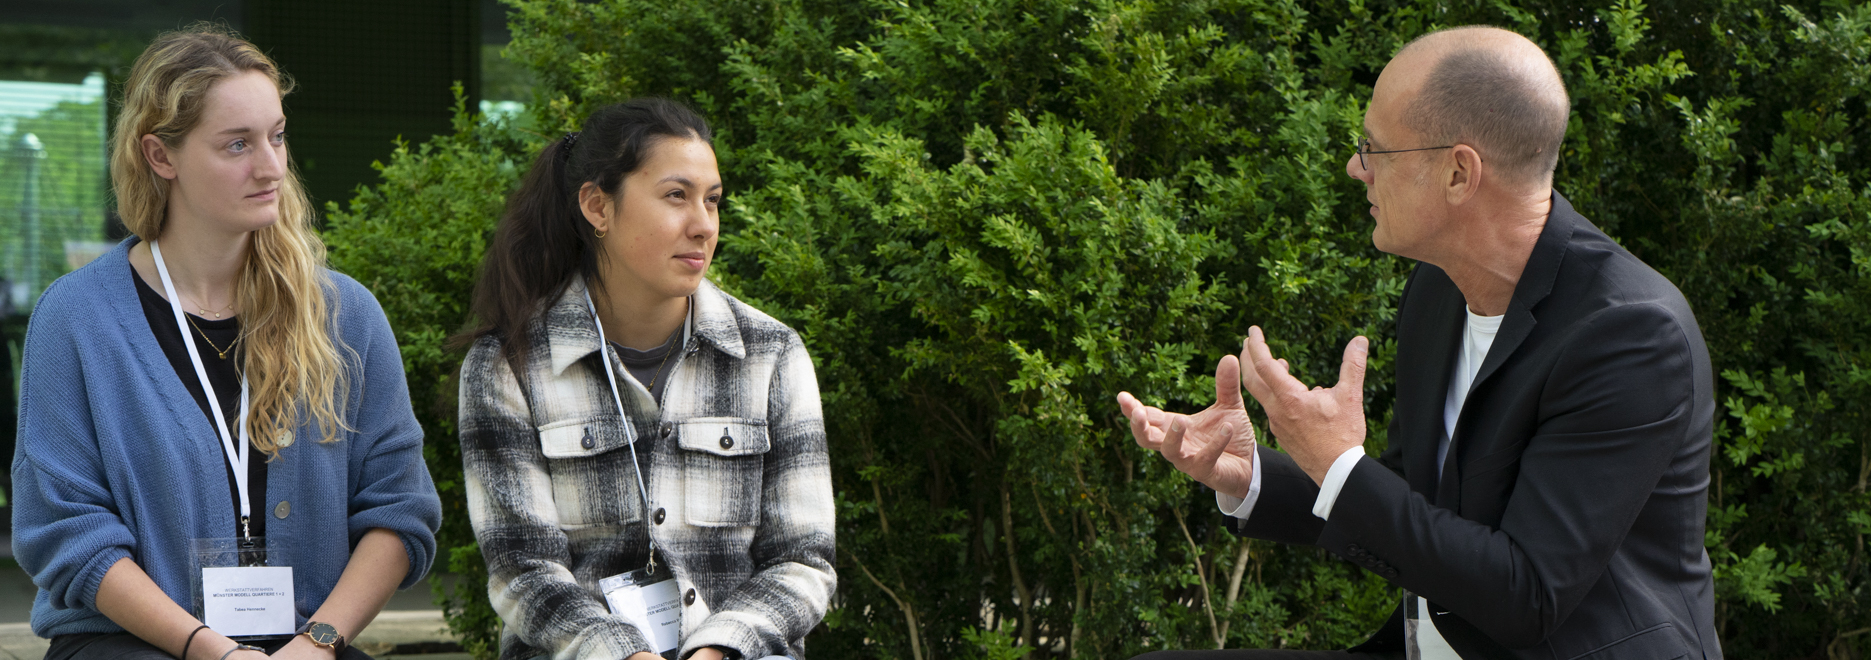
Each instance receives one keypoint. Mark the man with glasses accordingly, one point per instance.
(1544, 488)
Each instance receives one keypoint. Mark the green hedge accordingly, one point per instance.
(986, 217)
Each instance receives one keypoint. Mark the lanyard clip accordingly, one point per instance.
(246, 528)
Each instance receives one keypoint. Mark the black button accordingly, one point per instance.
(659, 515)
(689, 598)
(727, 442)
(588, 442)
(1355, 549)
(669, 429)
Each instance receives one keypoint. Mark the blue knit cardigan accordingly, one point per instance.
(115, 459)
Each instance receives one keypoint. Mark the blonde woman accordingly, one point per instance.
(207, 387)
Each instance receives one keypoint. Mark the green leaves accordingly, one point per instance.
(1754, 578)
(987, 217)
(415, 240)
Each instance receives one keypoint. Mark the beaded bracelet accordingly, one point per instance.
(241, 647)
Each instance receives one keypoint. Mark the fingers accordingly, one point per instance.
(1273, 377)
(1206, 457)
(1139, 416)
(1228, 382)
(1172, 441)
(1351, 371)
(1250, 378)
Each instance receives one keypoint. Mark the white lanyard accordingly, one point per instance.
(236, 457)
(604, 350)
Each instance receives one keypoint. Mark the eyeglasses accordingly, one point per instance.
(1364, 147)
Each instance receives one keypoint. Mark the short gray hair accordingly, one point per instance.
(1516, 118)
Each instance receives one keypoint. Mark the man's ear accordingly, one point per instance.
(595, 205)
(1465, 175)
(157, 155)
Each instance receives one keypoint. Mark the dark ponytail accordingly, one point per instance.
(543, 238)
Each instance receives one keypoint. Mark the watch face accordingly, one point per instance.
(323, 633)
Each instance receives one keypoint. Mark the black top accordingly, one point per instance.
(224, 374)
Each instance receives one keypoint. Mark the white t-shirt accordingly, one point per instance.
(1477, 338)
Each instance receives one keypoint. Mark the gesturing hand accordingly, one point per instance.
(1215, 446)
(1314, 426)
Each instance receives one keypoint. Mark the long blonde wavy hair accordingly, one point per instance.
(291, 360)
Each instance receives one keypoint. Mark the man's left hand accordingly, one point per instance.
(1315, 426)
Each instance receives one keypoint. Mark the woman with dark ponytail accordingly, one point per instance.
(644, 454)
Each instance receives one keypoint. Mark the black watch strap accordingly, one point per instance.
(325, 635)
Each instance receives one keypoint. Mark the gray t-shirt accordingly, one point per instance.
(651, 368)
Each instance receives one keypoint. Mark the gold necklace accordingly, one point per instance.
(659, 368)
(217, 315)
(218, 351)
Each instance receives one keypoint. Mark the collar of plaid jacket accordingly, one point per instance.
(570, 334)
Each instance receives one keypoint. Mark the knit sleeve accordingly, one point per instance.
(67, 531)
(393, 489)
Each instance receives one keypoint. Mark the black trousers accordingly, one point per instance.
(103, 646)
(1257, 654)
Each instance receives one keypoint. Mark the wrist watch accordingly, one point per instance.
(324, 636)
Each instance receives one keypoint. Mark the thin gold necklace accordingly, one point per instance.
(217, 315)
(659, 368)
(218, 351)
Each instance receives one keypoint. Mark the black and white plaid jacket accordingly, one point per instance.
(735, 461)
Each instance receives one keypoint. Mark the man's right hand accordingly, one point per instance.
(1215, 446)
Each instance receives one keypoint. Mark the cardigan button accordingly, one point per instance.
(659, 515)
(689, 598)
(285, 440)
(284, 509)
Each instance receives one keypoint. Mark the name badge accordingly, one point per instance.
(653, 606)
(247, 601)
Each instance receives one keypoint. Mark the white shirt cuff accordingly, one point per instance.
(1335, 481)
(1242, 507)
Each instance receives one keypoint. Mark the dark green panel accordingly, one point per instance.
(367, 72)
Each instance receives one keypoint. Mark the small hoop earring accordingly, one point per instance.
(597, 232)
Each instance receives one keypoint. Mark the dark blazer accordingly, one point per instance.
(1568, 520)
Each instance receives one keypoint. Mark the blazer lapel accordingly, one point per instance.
(1433, 335)
(1536, 281)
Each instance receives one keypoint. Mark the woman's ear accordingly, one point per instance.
(157, 154)
(596, 206)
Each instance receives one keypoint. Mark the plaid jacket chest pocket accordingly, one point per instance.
(593, 482)
(723, 465)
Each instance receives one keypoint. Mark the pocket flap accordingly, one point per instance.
(1658, 642)
(580, 438)
(723, 436)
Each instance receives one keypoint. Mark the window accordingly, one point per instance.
(54, 184)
